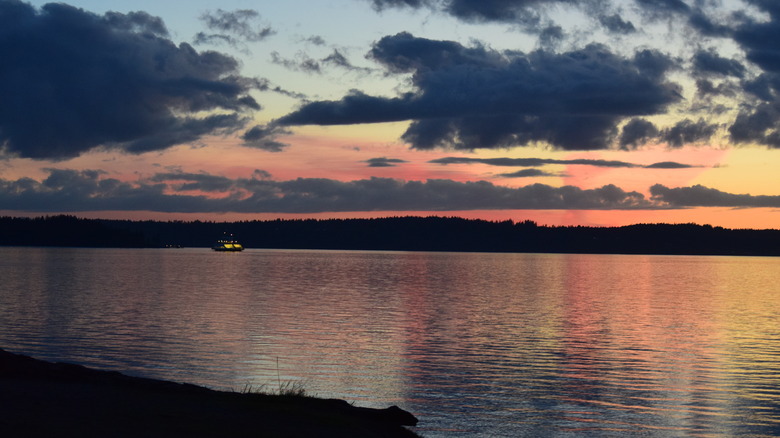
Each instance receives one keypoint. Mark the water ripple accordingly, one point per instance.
(475, 344)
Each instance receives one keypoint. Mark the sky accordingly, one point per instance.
(564, 112)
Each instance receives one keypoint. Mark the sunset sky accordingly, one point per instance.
(565, 112)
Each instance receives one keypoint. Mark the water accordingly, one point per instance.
(473, 344)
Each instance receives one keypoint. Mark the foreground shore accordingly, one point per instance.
(43, 399)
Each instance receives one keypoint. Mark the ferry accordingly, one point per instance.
(227, 244)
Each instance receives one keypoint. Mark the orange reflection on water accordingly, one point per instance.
(491, 344)
(326, 332)
(665, 335)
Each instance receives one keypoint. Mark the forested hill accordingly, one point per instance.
(396, 233)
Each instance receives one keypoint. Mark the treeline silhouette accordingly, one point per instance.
(393, 233)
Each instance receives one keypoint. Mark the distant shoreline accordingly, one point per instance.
(43, 399)
(394, 234)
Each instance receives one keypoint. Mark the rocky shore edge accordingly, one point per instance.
(45, 399)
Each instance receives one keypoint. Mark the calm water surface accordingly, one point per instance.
(473, 344)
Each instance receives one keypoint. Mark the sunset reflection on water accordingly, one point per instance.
(474, 344)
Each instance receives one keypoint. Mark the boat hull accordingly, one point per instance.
(227, 245)
(224, 249)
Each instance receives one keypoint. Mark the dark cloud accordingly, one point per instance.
(762, 87)
(688, 131)
(293, 94)
(708, 62)
(700, 196)
(654, 63)
(203, 182)
(385, 4)
(659, 9)
(616, 24)
(405, 53)
(338, 59)
(138, 21)
(71, 81)
(530, 162)
(474, 97)
(536, 162)
(529, 15)
(264, 137)
(512, 11)
(214, 39)
(637, 132)
(706, 88)
(551, 36)
(261, 174)
(528, 173)
(770, 6)
(302, 62)
(759, 121)
(263, 84)
(384, 162)
(316, 40)
(532, 15)
(760, 125)
(89, 190)
(353, 108)
(669, 165)
(68, 190)
(707, 27)
(233, 27)
(525, 13)
(759, 39)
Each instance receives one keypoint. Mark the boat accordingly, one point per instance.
(227, 244)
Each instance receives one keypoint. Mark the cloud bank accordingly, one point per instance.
(384, 162)
(90, 190)
(536, 162)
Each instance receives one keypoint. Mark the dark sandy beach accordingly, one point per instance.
(42, 399)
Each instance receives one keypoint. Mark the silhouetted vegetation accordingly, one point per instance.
(69, 231)
(394, 233)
